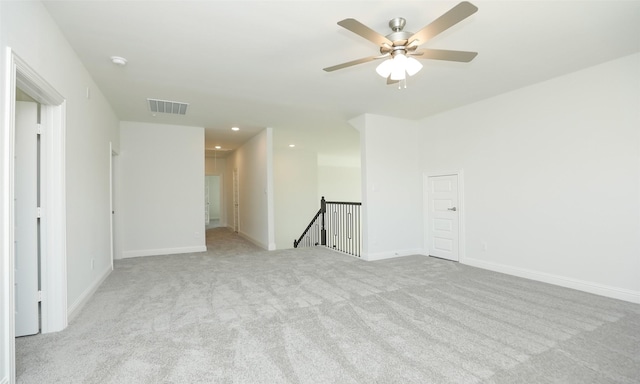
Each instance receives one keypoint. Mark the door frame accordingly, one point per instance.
(53, 201)
(114, 238)
(461, 211)
(236, 200)
(221, 197)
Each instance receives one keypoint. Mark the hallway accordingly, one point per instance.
(223, 242)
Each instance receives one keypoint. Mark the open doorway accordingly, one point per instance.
(213, 201)
(52, 203)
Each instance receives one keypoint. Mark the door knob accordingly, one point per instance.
(452, 209)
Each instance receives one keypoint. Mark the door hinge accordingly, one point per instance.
(39, 296)
(39, 213)
(39, 129)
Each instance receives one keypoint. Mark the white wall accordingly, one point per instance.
(214, 166)
(337, 183)
(296, 188)
(162, 184)
(6, 344)
(391, 187)
(339, 178)
(90, 125)
(254, 162)
(552, 178)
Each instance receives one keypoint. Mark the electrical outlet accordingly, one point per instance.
(93, 262)
(484, 246)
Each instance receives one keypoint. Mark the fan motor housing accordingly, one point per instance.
(399, 37)
(397, 24)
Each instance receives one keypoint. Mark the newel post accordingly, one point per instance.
(323, 229)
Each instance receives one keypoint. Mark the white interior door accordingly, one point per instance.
(112, 205)
(443, 217)
(207, 208)
(26, 219)
(236, 201)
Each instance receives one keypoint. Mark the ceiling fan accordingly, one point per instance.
(400, 47)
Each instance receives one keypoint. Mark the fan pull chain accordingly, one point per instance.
(400, 83)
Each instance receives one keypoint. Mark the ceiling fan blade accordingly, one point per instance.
(443, 54)
(444, 22)
(360, 29)
(354, 62)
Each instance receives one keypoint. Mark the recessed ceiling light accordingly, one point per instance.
(291, 145)
(218, 147)
(235, 129)
(117, 60)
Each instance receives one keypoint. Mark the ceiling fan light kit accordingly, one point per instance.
(412, 66)
(399, 48)
(385, 68)
(398, 67)
(398, 72)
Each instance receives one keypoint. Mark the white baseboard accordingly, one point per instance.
(567, 282)
(254, 241)
(77, 306)
(163, 251)
(392, 254)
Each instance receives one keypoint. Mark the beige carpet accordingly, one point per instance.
(237, 314)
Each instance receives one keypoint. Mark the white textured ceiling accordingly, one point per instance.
(256, 64)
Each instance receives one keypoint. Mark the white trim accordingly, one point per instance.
(393, 254)
(163, 251)
(53, 194)
(53, 223)
(116, 242)
(581, 285)
(111, 247)
(461, 209)
(77, 306)
(260, 244)
(271, 233)
(53, 200)
(8, 310)
(222, 200)
(235, 199)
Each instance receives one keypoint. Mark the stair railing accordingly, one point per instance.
(312, 234)
(336, 225)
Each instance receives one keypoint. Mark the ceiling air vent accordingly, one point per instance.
(164, 106)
